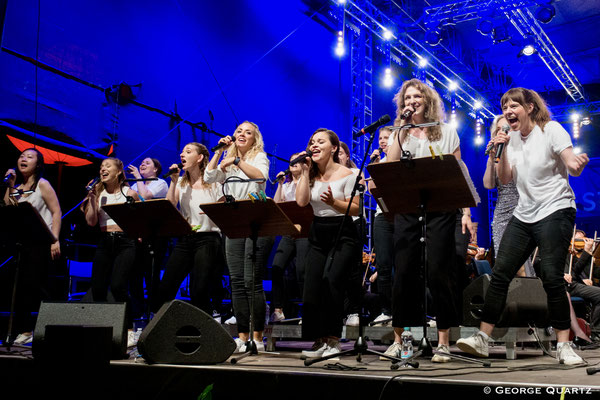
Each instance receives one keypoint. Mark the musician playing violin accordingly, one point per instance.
(579, 283)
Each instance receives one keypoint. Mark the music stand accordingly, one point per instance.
(21, 225)
(250, 219)
(302, 216)
(419, 186)
(149, 220)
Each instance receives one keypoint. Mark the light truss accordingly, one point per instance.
(461, 11)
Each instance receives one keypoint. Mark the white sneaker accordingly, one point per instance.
(217, 316)
(440, 358)
(333, 347)
(277, 316)
(231, 321)
(131, 339)
(394, 350)
(475, 345)
(567, 356)
(23, 339)
(382, 320)
(240, 345)
(317, 349)
(352, 320)
(260, 346)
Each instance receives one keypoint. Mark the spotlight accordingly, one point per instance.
(477, 105)
(485, 26)
(528, 50)
(500, 34)
(387, 34)
(433, 37)
(586, 121)
(422, 62)
(452, 85)
(340, 50)
(478, 140)
(341, 1)
(575, 117)
(545, 13)
(577, 150)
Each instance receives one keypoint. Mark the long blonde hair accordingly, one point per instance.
(257, 147)
(202, 150)
(540, 113)
(434, 108)
(121, 177)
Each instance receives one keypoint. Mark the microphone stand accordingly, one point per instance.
(360, 346)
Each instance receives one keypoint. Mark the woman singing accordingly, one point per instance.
(198, 252)
(114, 261)
(538, 156)
(327, 186)
(245, 159)
(424, 105)
(36, 259)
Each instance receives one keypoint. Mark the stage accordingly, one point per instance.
(282, 375)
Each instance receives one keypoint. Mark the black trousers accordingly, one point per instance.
(198, 255)
(408, 293)
(383, 244)
(325, 283)
(287, 249)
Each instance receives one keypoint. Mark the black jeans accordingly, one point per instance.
(383, 246)
(287, 249)
(238, 252)
(325, 288)
(552, 236)
(198, 255)
(408, 293)
(113, 266)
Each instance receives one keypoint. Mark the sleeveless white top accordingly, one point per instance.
(106, 198)
(37, 201)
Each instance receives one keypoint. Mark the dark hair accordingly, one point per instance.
(335, 141)
(38, 172)
(540, 114)
(349, 163)
(157, 166)
(202, 150)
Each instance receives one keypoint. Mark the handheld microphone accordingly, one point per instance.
(281, 177)
(505, 129)
(488, 149)
(221, 145)
(373, 127)
(301, 158)
(92, 184)
(376, 156)
(6, 178)
(407, 114)
(172, 171)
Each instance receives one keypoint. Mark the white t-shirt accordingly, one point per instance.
(541, 177)
(190, 201)
(288, 191)
(158, 188)
(240, 190)
(341, 189)
(419, 148)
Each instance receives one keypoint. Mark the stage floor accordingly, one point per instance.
(284, 376)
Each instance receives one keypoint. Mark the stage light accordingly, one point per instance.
(545, 14)
(452, 85)
(485, 26)
(577, 149)
(500, 34)
(478, 140)
(586, 121)
(528, 50)
(423, 62)
(340, 50)
(387, 34)
(341, 1)
(477, 105)
(575, 117)
(433, 37)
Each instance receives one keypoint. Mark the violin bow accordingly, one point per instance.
(593, 250)
(572, 247)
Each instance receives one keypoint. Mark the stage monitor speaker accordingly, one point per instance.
(526, 303)
(183, 334)
(111, 315)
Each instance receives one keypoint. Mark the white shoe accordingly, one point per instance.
(382, 320)
(260, 346)
(231, 321)
(567, 356)
(317, 349)
(217, 316)
(475, 345)
(333, 347)
(131, 339)
(240, 345)
(394, 350)
(440, 358)
(23, 339)
(277, 316)
(352, 320)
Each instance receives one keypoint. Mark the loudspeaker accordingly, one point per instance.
(526, 303)
(111, 315)
(183, 334)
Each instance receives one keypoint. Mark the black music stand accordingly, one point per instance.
(21, 225)
(302, 216)
(149, 220)
(419, 186)
(250, 219)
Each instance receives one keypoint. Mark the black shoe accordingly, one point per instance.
(579, 342)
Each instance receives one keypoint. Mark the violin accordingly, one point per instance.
(368, 258)
(579, 243)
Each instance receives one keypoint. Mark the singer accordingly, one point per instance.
(114, 261)
(288, 247)
(327, 186)
(35, 259)
(539, 157)
(245, 159)
(199, 253)
(425, 105)
(149, 168)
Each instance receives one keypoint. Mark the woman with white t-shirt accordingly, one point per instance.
(538, 156)
(326, 185)
(423, 104)
(197, 254)
(245, 159)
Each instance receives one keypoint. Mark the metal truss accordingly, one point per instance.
(461, 11)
